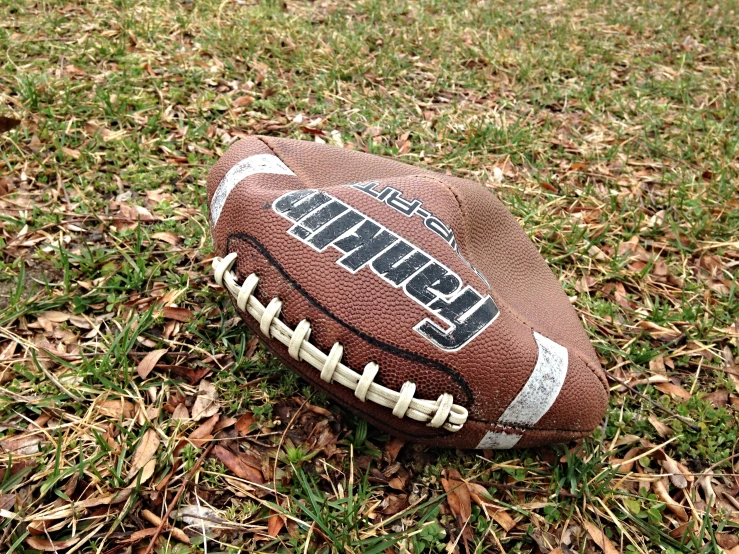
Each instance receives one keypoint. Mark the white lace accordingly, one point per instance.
(442, 412)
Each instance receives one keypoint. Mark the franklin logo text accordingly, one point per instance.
(321, 220)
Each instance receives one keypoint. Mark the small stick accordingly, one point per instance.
(154, 519)
(172, 504)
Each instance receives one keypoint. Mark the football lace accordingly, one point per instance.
(442, 412)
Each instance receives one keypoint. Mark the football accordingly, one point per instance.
(412, 298)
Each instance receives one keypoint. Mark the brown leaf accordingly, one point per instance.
(599, 537)
(145, 451)
(676, 474)
(659, 332)
(71, 152)
(251, 347)
(719, 398)
(45, 545)
(7, 502)
(205, 429)
(627, 464)
(657, 365)
(405, 147)
(178, 314)
(22, 445)
(70, 510)
(146, 472)
(118, 408)
(275, 524)
(727, 541)
(479, 496)
(242, 101)
(180, 412)
(137, 536)
(237, 466)
(167, 237)
(394, 503)
(243, 425)
(673, 390)
(8, 123)
(206, 403)
(662, 429)
(392, 449)
(136, 213)
(149, 362)
(660, 489)
(458, 498)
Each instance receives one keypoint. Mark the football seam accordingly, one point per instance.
(411, 356)
(393, 350)
(508, 308)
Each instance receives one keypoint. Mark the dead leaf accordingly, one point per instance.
(149, 362)
(275, 524)
(74, 509)
(205, 429)
(8, 123)
(45, 545)
(660, 489)
(673, 390)
(200, 516)
(118, 408)
(662, 429)
(137, 213)
(7, 502)
(599, 537)
(243, 425)
(719, 398)
(146, 472)
(392, 449)
(242, 101)
(178, 314)
(145, 451)
(394, 503)
(676, 475)
(657, 365)
(251, 347)
(180, 412)
(729, 365)
(71, 152)
(659, 332)
(458, 498)
(167, 237)
(237, 466)
(627, 464)
(727, 541)
(404, 148)
(137, 536)
(206, 404)
(22, 445)
(480, 496)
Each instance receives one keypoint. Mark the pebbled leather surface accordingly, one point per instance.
(374, 321)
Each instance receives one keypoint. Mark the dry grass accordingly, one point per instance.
(135, 409)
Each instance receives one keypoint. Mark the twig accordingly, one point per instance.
(687, 422)
(172, 504)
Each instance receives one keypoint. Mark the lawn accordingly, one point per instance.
(138, 415)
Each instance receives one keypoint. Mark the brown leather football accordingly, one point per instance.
(412, 298)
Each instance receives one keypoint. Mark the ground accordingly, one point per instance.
(127, 387)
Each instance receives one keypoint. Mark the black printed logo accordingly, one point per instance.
(320, 220)
(394, 198)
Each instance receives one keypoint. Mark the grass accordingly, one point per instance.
(615, 127)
